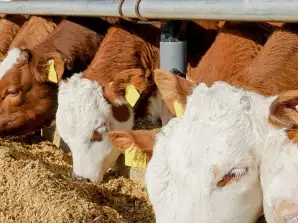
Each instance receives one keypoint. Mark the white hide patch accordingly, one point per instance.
(219, 135)
(279, 179)
(81, 110)
(9, 61)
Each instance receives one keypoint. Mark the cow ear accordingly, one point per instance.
(127, 87)
(174, 90)
(283, 113)
(142, 140)
(50, 68)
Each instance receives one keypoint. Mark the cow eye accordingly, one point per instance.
(12, 92)
(234, 175)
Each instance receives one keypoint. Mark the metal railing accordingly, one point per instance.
(241, 10)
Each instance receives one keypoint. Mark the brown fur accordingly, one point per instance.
(234, 48)
(200, 35)
(282, 110)
(275, 68)
(73, 44)
(32, 102)
(172, 88)
(129, 54)
(33, 32)
(9, 28)
(240, 61)
(283, 113)
(142, 139)
(126, 56)
(120, 51)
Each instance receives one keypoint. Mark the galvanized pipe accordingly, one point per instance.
(241, 10)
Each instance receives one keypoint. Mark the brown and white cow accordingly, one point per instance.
(9, 27)
(29, 90)
(95, 102)
(33, 32)
(215, 149)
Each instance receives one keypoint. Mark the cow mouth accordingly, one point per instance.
(293, 218)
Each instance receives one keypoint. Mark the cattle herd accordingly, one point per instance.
(227, 149)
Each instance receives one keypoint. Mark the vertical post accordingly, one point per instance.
(172, 48)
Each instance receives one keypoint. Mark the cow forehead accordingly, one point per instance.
(9, 61)
(218, 133)
(81, 107)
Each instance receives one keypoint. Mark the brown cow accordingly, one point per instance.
(9, 27)
(244, 63)
(33, 32)
(235, 46)
(271, 71)
(28, 90)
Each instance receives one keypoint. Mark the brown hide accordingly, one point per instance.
(130, 47)
(9, 27)
(234, 48)
(33, 32)
(28, 98)
(275, 68)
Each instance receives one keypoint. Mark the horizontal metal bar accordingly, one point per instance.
(66, 7)
(239, 10)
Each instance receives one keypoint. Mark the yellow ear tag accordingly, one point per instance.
(179, 108)
(131, 95)
(52, 75)
(134, 157)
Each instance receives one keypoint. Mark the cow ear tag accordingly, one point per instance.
(131, 94)
(134, 157)
(52, 75)
(179, 108)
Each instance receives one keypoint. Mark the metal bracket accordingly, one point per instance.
(140, 20)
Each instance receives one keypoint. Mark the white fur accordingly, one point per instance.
(279, 178)
(9, 61)
(82, 109)
(223, 128)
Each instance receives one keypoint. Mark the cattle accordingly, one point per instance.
(95, 102)
(278, 168)
(33, 32)
(10, 25)
(208, 155)
(223, 131)
(268, 70)
(29, 88)
(235, 46)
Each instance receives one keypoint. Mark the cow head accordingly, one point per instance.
(205, 162)
(84, 116)
(279, 164)
(28, 96)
